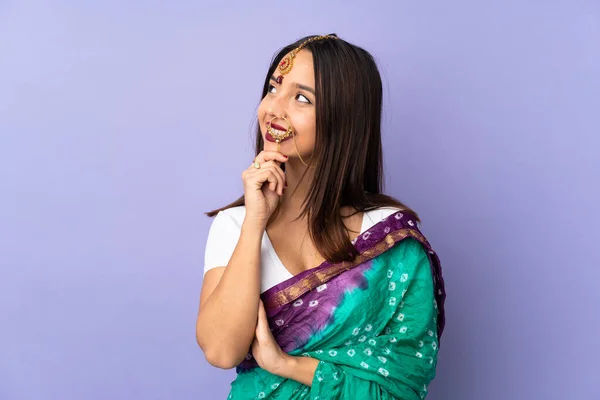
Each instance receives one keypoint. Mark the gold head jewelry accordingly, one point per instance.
(286, 64)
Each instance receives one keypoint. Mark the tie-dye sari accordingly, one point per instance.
(374, 323)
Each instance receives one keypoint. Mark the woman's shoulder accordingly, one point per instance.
(236, 213)
(223, 236)
(229, 219)
(379, 214)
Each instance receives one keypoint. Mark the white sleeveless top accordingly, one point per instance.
(225, 231)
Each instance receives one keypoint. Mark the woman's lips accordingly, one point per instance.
(278, 127)
(270, 137)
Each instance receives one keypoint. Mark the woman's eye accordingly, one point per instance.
(302, 98)
(271, 89)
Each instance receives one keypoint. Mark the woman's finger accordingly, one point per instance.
(261, 309)
(279, 187)
(269, 174)
(263, 323)
(278, 172)
(276, 166)
(267, 155)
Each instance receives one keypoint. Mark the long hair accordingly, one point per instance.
(348, 153)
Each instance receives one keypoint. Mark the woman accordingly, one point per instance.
(316, 284)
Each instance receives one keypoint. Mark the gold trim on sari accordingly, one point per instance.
(322, 275)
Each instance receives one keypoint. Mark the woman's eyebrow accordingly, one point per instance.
(304, 87)
(298, 85)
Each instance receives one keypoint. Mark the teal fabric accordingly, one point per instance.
(381, 341)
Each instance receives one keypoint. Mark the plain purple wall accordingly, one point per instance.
(122, 122)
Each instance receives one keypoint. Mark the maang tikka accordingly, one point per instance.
(284, 67)
(286, 64)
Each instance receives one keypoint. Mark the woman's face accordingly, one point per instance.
(293, 99)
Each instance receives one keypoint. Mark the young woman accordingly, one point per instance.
(316, 284)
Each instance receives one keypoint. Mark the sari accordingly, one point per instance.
(373, 323)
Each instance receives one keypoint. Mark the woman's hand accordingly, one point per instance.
(263, 186)
(265, 349)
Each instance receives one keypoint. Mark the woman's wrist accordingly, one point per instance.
(300, 369)
(254, 225)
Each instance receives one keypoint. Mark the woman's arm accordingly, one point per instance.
(229, 301)
(299, 369)
(230, 295)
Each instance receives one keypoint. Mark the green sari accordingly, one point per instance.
(374, 323)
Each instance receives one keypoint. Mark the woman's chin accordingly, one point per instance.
(272, 146)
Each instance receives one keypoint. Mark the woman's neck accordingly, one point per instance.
(297, 189)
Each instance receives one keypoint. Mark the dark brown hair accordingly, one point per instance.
(348, 151)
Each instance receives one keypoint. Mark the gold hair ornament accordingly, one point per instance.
(286, 64)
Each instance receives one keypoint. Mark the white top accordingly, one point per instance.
(225, 231)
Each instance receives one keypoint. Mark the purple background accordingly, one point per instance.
(121, 122)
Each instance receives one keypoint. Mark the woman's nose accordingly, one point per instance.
(276, 106)
(276, 111)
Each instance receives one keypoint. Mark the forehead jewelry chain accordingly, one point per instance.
(286, 64)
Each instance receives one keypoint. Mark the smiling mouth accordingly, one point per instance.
(275, 131)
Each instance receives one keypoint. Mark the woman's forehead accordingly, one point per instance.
(302, 69)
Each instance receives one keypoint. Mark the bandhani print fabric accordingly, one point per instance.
(373, 323)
